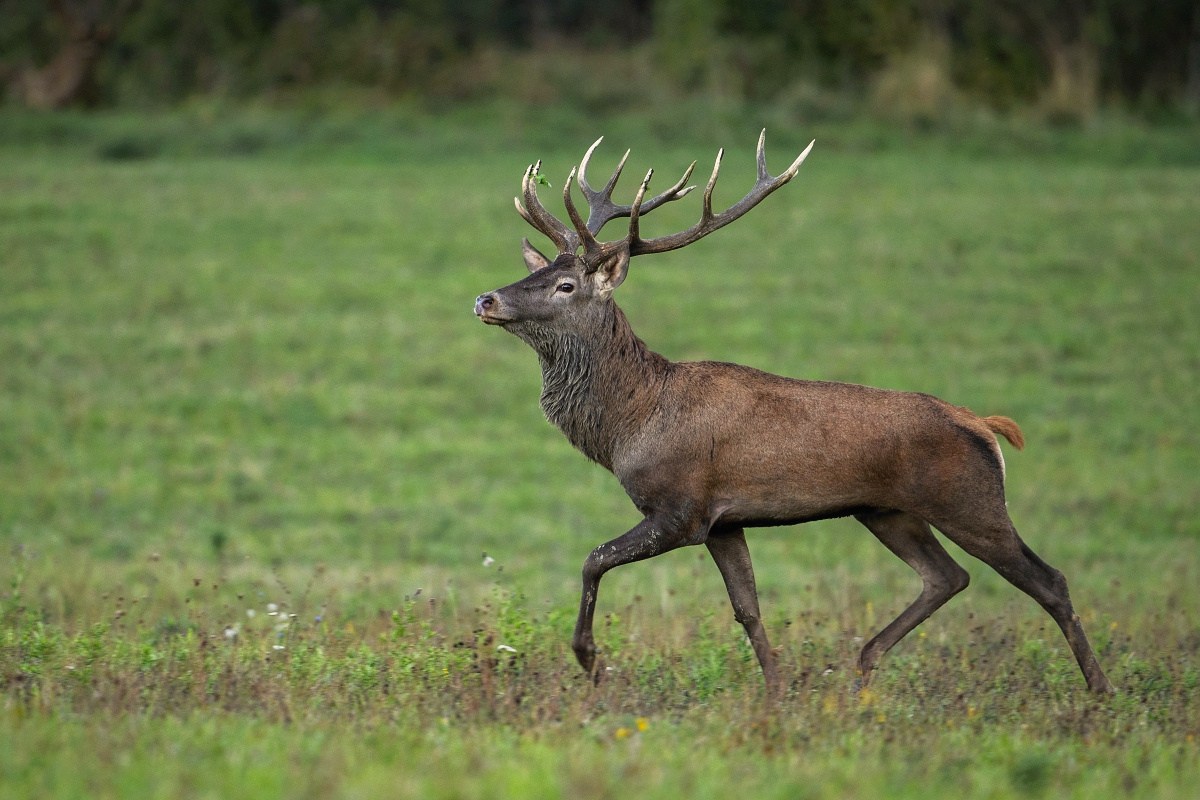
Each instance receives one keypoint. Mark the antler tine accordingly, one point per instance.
(709, 222)
(677, 191)
(521, 210)
(588, 191)
(536, 214)
(760, 155)
(581, 228)
(707, 212)
(601, 209)
(791, 171)
(635, 210)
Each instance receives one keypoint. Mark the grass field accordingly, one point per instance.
(254, 447)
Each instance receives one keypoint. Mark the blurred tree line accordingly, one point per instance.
(911, 57)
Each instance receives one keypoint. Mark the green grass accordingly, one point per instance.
(238, 367)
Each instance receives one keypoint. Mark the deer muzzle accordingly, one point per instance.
(487, 308)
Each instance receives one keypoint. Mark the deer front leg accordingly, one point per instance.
(732, 556)
(645, 540)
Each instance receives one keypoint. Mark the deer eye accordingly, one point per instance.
(566, 288)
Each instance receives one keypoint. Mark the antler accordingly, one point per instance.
(536, 214)
(709, 222)
(601, 208)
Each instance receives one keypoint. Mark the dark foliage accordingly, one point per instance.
(1070, 56)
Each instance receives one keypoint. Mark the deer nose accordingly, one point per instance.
(484, 303)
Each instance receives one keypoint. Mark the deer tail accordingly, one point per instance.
(1006, 428)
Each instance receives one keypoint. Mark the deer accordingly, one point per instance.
(706, 449)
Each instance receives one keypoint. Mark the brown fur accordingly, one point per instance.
(1008, 429)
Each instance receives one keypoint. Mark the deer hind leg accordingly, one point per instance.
(729, 551)
(997, 544)
(910, 538)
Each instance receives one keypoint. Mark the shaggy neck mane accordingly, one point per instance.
(598, 384)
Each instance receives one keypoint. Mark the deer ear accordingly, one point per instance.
(611, 271)
(534, 259)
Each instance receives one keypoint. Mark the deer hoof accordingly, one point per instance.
(586, 655)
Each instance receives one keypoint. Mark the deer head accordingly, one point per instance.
(566, 292)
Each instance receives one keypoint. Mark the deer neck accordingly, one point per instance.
(598, 385)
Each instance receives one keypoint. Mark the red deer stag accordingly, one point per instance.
(707, 449)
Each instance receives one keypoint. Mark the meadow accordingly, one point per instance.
(279, 517)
